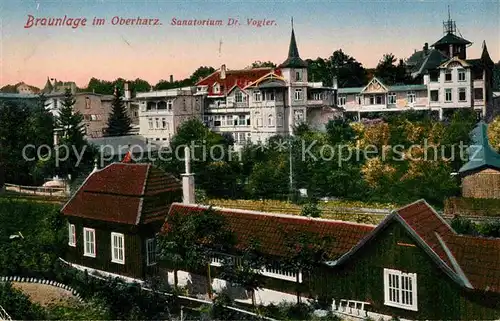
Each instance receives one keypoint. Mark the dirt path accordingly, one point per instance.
(45, 294)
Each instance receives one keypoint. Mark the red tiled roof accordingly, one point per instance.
(479, 258)
(123, 193)
(240, 78)
(270, 230)
(426, 223)
(476, 257)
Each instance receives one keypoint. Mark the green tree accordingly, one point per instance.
(304, 252)
(311, 209)
(139, 85)
(201, 73)
(261, 64)
(18, 305)
(192, 238)
(391, 73)
(245, 269)
(71, 128)
(119, 123)
(349, 72)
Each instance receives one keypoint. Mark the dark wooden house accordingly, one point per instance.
(412, 265)
(114, 217)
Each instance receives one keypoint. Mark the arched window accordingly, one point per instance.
(270, 120)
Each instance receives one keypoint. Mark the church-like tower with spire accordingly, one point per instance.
(294, 71)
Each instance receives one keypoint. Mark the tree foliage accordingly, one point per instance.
(24, 124)
(349, 72)
(391, 72)
(261, 64)
(119, 122)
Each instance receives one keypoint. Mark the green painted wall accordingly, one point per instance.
(439, 297)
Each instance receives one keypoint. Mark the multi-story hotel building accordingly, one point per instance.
(256, 104)
(249, 104)
(445, 79)
(161, 112)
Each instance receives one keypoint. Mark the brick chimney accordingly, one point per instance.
(171, 78)
(223, 72)
(188, 179)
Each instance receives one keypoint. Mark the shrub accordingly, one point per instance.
(463, 225)
(311, 209)
(18, 305)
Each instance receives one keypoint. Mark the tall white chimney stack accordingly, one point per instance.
(127, 92)
(223, 72)
(188, 179)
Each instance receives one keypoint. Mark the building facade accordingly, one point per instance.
(256, 104)
(162, 112)
(95, 109)
(446, 80)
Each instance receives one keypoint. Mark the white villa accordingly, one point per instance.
(448, 80)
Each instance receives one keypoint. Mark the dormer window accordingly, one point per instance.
(216, 88)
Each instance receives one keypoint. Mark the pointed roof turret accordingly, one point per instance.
(48, 87)
(481, 154)
(293, 60)
(485, 55)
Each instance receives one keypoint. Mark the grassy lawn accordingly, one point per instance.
(337, 210)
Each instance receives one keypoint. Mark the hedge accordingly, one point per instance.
(472, 206)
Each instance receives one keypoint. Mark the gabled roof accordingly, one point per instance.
(270, 230)
(270, 80)
(445, 64)
(481, 154)
(240, 78)
(293, 60)
(422, 61)
(123, 193)
(451, 39)
(375, 82)
(472, 262)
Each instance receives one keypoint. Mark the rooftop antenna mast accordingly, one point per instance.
(449, 26)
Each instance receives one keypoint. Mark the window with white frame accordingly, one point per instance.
(247, 120)
(238, 97)
(478, 94)
(71, 235)
(434, 95)
(170, 104)
(150, 123)
(89, 242)
(317, 96)
(258, 117)
(242, 121)
(157, 123)
(412, 97)
(462, 94)
(257, 95)
(391, 98)
(150, 252)
(447, 75)
(217, 120)
(270, 120)
(298, 95)
(117, 248)
(279, 119)
(341, 100)
(164, 123)
(276, 271)
(358, 99)
(216, 88)
(461, 75)
(270, 95)
(447, 95)
(400, 289)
